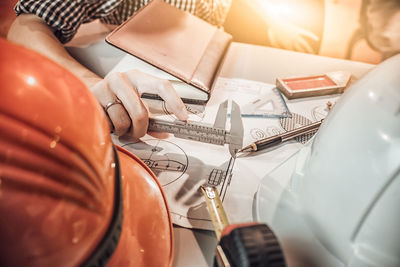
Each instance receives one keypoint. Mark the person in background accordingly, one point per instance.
(46, 25)
(289, 24)
(379, 25)
(381, 22)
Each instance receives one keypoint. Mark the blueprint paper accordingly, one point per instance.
(182, 166)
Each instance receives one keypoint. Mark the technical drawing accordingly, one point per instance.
(216, 177)
(257, 134)
(161, 156)
(182, 165)
(181, 176)
(272, 130)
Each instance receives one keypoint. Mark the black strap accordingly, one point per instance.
(103, 252)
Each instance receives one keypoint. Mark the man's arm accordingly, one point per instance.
(128, 117)
(32, 32)
(282, 31)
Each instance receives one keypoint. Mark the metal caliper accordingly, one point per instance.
(207, 133)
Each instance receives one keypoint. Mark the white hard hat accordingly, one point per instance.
(336, 201)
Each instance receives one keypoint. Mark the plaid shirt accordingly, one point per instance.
(65, 16)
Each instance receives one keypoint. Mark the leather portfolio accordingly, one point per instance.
(176, 42)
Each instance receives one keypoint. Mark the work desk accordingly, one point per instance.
(196, 247)
(265, 64)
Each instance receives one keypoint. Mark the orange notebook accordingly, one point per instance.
(176, 42)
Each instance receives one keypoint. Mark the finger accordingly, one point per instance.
(127, 138)
(277, 40)
(271, 38)
(173, 102)
(110, 124)
(146, 83)
(309, 34)
(303, 46)
(117, 117)
(134, 106)
(159, 135)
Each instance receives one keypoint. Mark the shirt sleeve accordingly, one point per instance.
(213, 11)
(65, 16)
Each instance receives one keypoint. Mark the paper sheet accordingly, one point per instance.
(183, 165)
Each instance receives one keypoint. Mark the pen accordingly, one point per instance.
(280, 138)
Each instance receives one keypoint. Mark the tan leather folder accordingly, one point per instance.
(176, 42)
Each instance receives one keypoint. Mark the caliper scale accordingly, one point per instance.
(206, 133)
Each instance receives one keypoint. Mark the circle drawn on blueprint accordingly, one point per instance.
(273, 130)
(257, 134)
(167, 160)
(294, 122)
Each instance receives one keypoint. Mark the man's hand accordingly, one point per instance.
(282, 30)
(128, 114)
(289, 36)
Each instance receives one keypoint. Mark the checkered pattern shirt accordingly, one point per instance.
(65, 16)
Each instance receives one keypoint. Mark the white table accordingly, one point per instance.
(196, 247)
(265, 64)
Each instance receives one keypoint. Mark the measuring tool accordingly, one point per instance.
(269, 105)
(212, 134)
(215, 209)
(246, 244)
(256, 99)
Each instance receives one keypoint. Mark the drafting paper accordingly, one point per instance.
(183, 165)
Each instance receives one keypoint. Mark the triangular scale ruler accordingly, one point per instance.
(256, 99)
(269, 105)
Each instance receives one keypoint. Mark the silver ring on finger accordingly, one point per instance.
(112, 103)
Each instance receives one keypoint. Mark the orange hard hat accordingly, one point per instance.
(67, 196)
